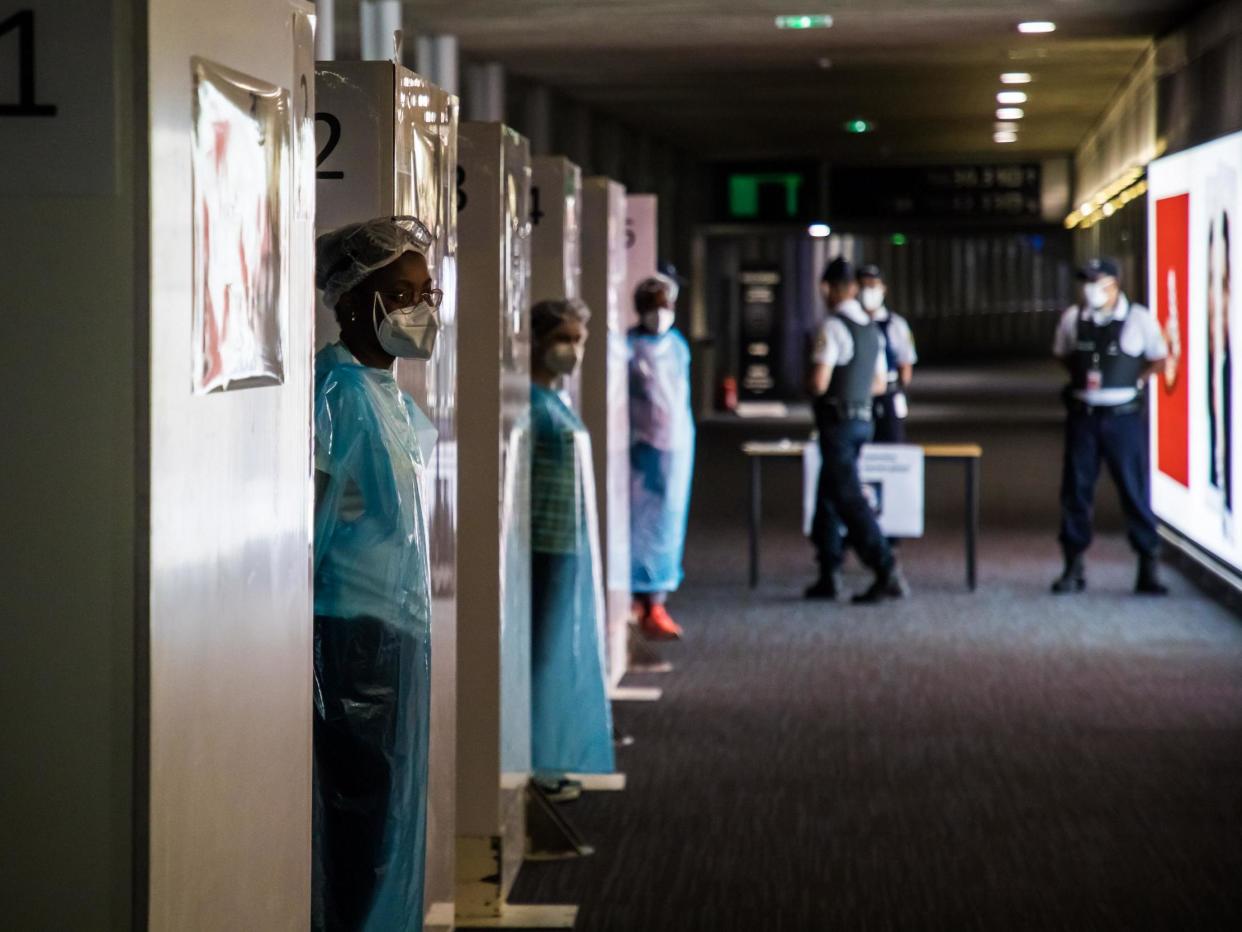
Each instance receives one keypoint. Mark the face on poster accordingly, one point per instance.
(241, 163)
(1194, 207)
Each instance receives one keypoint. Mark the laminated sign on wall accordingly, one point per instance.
(892, 480)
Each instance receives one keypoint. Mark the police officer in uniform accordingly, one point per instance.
(848, 370)
(891, 408)
(1110, 348)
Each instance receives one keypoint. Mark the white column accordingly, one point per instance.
(325, 30)
(378, 21)
(485, 92)
(539, 120)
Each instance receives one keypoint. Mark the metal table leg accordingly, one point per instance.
(972, 520)
(756, 509)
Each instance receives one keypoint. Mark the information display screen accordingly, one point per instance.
(1194, 208)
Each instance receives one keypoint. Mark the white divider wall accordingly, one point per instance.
(641, 249)
(556, 228)
(229, 472)
(388, 143)
(605, 397)
(494, 623)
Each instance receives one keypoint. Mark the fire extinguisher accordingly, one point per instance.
(727, 397)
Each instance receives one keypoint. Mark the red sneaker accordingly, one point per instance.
(658, 625)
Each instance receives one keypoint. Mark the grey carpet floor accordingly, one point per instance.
(990, 761)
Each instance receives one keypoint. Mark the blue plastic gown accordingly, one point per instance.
(571, 719)
(661, 458)
(372, 648)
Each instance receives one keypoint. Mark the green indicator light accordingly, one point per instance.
(898, 239)
(804, 21)
(859, 126)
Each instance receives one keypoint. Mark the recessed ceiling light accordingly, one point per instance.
(1011, 97)
(1004, 137)
(1005, 127)
(819, 230)
(1036, 27)
(1015, 77)
(1010, 113)
(804, 21)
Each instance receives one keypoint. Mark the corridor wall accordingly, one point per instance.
(494, 610)
(387, 140)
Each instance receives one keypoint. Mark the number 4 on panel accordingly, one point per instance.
(23, 23)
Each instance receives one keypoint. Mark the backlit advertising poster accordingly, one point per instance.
(1194, 208)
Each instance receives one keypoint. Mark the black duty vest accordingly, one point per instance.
(1099, 347)
(851, 383)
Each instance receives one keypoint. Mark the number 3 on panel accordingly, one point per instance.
(23, 23)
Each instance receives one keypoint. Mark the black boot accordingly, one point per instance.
(828, 586)
(888, 584)
(1148, 581)
(1072, 578)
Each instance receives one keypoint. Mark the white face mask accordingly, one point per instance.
(1096, 294)
(408, 332)
(659, 321)
(562, 358)
(872, 298)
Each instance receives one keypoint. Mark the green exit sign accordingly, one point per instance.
(750, 195)
(804, 21)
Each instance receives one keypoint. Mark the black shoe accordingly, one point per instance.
(1073, 577)
(887, 585)
(826, 587)
(559, 791)
(1148, 581)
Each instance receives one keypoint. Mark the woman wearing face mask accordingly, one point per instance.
(661, 454)
(571, 719)
(372, 578)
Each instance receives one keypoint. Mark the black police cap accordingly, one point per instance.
(869, 270)
(1100, 268)
(838, 271)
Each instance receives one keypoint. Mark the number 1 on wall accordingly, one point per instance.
(23, 22)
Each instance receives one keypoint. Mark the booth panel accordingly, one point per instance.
(229, 472)
(556, 223)
(494, 619)
(605, 397)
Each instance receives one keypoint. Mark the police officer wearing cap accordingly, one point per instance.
(891, 408)
(848, 369)
(1110, 348)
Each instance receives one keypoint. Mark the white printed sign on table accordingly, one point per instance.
(892, 480)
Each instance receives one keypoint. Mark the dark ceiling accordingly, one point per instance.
(717, 77)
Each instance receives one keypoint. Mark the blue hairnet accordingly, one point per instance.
(348, 254)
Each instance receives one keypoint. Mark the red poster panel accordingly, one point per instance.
(1172, 304)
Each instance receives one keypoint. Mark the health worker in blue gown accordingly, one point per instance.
(571, 725)
(372, 636)
(661, 454)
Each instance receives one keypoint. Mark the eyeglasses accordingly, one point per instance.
(433, 296)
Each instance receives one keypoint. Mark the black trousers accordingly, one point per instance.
(840, 499)
(1120, 442)
(357, 691)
